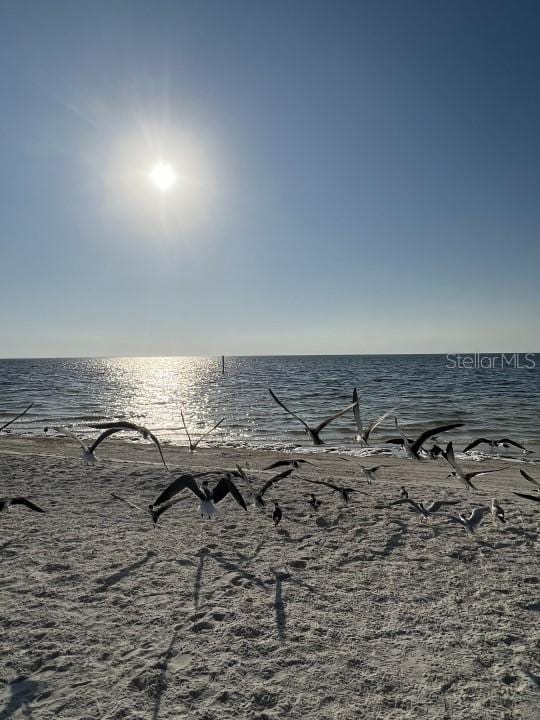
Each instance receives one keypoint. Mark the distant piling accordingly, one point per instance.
(223, 364)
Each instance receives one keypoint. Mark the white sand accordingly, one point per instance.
(353, 612)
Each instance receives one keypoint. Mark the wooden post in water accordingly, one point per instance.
(223, 364)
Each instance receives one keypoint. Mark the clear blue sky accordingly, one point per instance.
(354, 177)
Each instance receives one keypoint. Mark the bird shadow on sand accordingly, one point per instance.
(198, 579)
(279, 604)
(23, 692)
(164, 666)
(110, 580)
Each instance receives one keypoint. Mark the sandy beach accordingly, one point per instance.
(352, 611)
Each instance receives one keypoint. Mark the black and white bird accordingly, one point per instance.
(153, 511)
(363, 433)
(259, 496)
(314, 502)
(88, 451)
(403, 494)
(473, 521)
(277, 514)
(412, 449)
(343, 491)
(208, 498)
(123, 425)
(5, 425)
(459, 473)
(294, 464)
(193, 444)
(313, 432)
(497, 513)
(369, 472)
(6, 503)
(425, 510)
(503, 442)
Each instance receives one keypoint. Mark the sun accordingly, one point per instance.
(162, 176)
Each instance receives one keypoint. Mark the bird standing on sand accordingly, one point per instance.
(277, 514)
(315, 504)
(497, 513)
(403, 494)
(6, 504)
(313, 432)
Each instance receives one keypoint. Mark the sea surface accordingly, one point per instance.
(492, 395)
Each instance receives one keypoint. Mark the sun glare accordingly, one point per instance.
(162, 176)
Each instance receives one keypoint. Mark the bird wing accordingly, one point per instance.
(449, 455)
(274, 397)
(25, 501)
(125, 425)
(191, 447)
(128, 502)
(181, 483)
(16, 417)
(434, 506)
(477, 514)
(474, 443)
(406, 501)
(102, 437)
(278, 463)
(242, 474)
(417, 444)
(396, 441)
(536, 498)
(512, 442)
(356, 413)
(275, 479)
(157, 511)
(483, 472)
(377, 422)
(68, 433)
(324, 423)
(452, 518)
(526, 476)
(224, 487)
(208, 432)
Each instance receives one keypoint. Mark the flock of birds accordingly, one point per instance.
(414, 448)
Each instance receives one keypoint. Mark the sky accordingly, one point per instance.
(352, 177)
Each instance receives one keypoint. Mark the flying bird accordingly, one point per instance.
(473, 521)
(313, 432)
(503, 442)
(259, 499)
(458, 471)
(343, 491)
(5, 425)
(123, 425)
(88, 451)
(208, 498)
(295, 464)
(425, 510)
(154, 512)
(6, 503)
(364, 433)
(369, 473)
(412, 448)
(193, 445)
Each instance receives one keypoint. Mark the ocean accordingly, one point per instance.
(492, 395)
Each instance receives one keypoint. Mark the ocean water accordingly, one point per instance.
(493, 396)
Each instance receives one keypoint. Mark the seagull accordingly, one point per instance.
(459, 473)
(403, 494)
(315, 504)
(16, 418)
(259, 501)
(6, 503)
(364, 433)
(343, 491)
(193, 445)
(423, 510)
(123, 425)
(88, 451)
(412, 448)
(207, 497)
(369, 473)
(497, 512)
(154, 512)
(313, 432)
(295, 464)
(503, 442)
(277, 514)
(473, 521)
